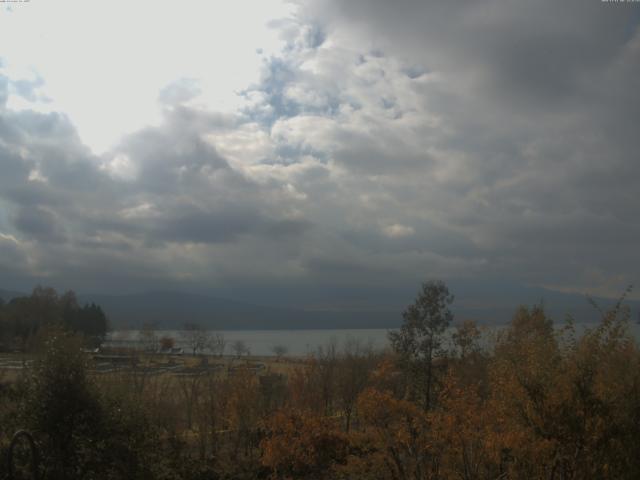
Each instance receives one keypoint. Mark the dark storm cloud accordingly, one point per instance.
(427, 237)
(536, 49)
(534, 150)
(38, 223)
(169, 159)
(343, 270)
(283, 229)
(188, 223)
(14, 170)
(226, 225)
(13, 260)
(379, 152)
(45, 164)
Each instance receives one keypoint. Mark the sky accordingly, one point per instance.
(319, 152)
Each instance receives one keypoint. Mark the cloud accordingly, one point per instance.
(4, 90)
(38, 223)
(538, 51)
(10, 251)
(521, 155)
(28, 88)
(381, 144)
(179, 92)
(398, 231)
(160, 207)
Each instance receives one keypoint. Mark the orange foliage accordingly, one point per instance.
(298, 444)
(304, 390)
(394, 440)
(567, 412)
(467, 430)
(539, 406)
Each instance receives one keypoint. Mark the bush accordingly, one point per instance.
(84, 433)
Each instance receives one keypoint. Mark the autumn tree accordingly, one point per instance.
(526, 382)
(243, 411)
(394, 442)
(166, 343)
(326, 373)
(279, 351)
(467, 356)
(313, 384)
(304, 389)
(189, 384)
(217, 343)
(302, 445)
(354, 367)
(466, 338)
(419, 339)
(148, 337)
(467, 429)
(273, 390)
(195, 337)
(209, 414)
(567, 409)
(240, 348)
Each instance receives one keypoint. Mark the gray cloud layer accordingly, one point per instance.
(387, 143)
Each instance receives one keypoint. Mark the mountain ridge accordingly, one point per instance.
(172, 309)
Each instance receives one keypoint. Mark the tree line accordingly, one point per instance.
(22, 317)
(533, 400)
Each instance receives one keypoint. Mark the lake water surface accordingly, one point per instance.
(303, 342)
(262, 342)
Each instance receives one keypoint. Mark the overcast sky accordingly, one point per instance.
(319, 145)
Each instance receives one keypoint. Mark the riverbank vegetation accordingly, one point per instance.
(535, 401)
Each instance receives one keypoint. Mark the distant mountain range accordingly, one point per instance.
(172, 309)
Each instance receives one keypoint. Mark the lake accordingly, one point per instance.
(261, 342)
(299, 342)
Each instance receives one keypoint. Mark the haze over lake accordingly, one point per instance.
(305, 342)
(261, 342)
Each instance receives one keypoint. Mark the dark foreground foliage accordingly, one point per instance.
(532, 402)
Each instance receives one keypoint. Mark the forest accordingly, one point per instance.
(22, 317)
(533, 400)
